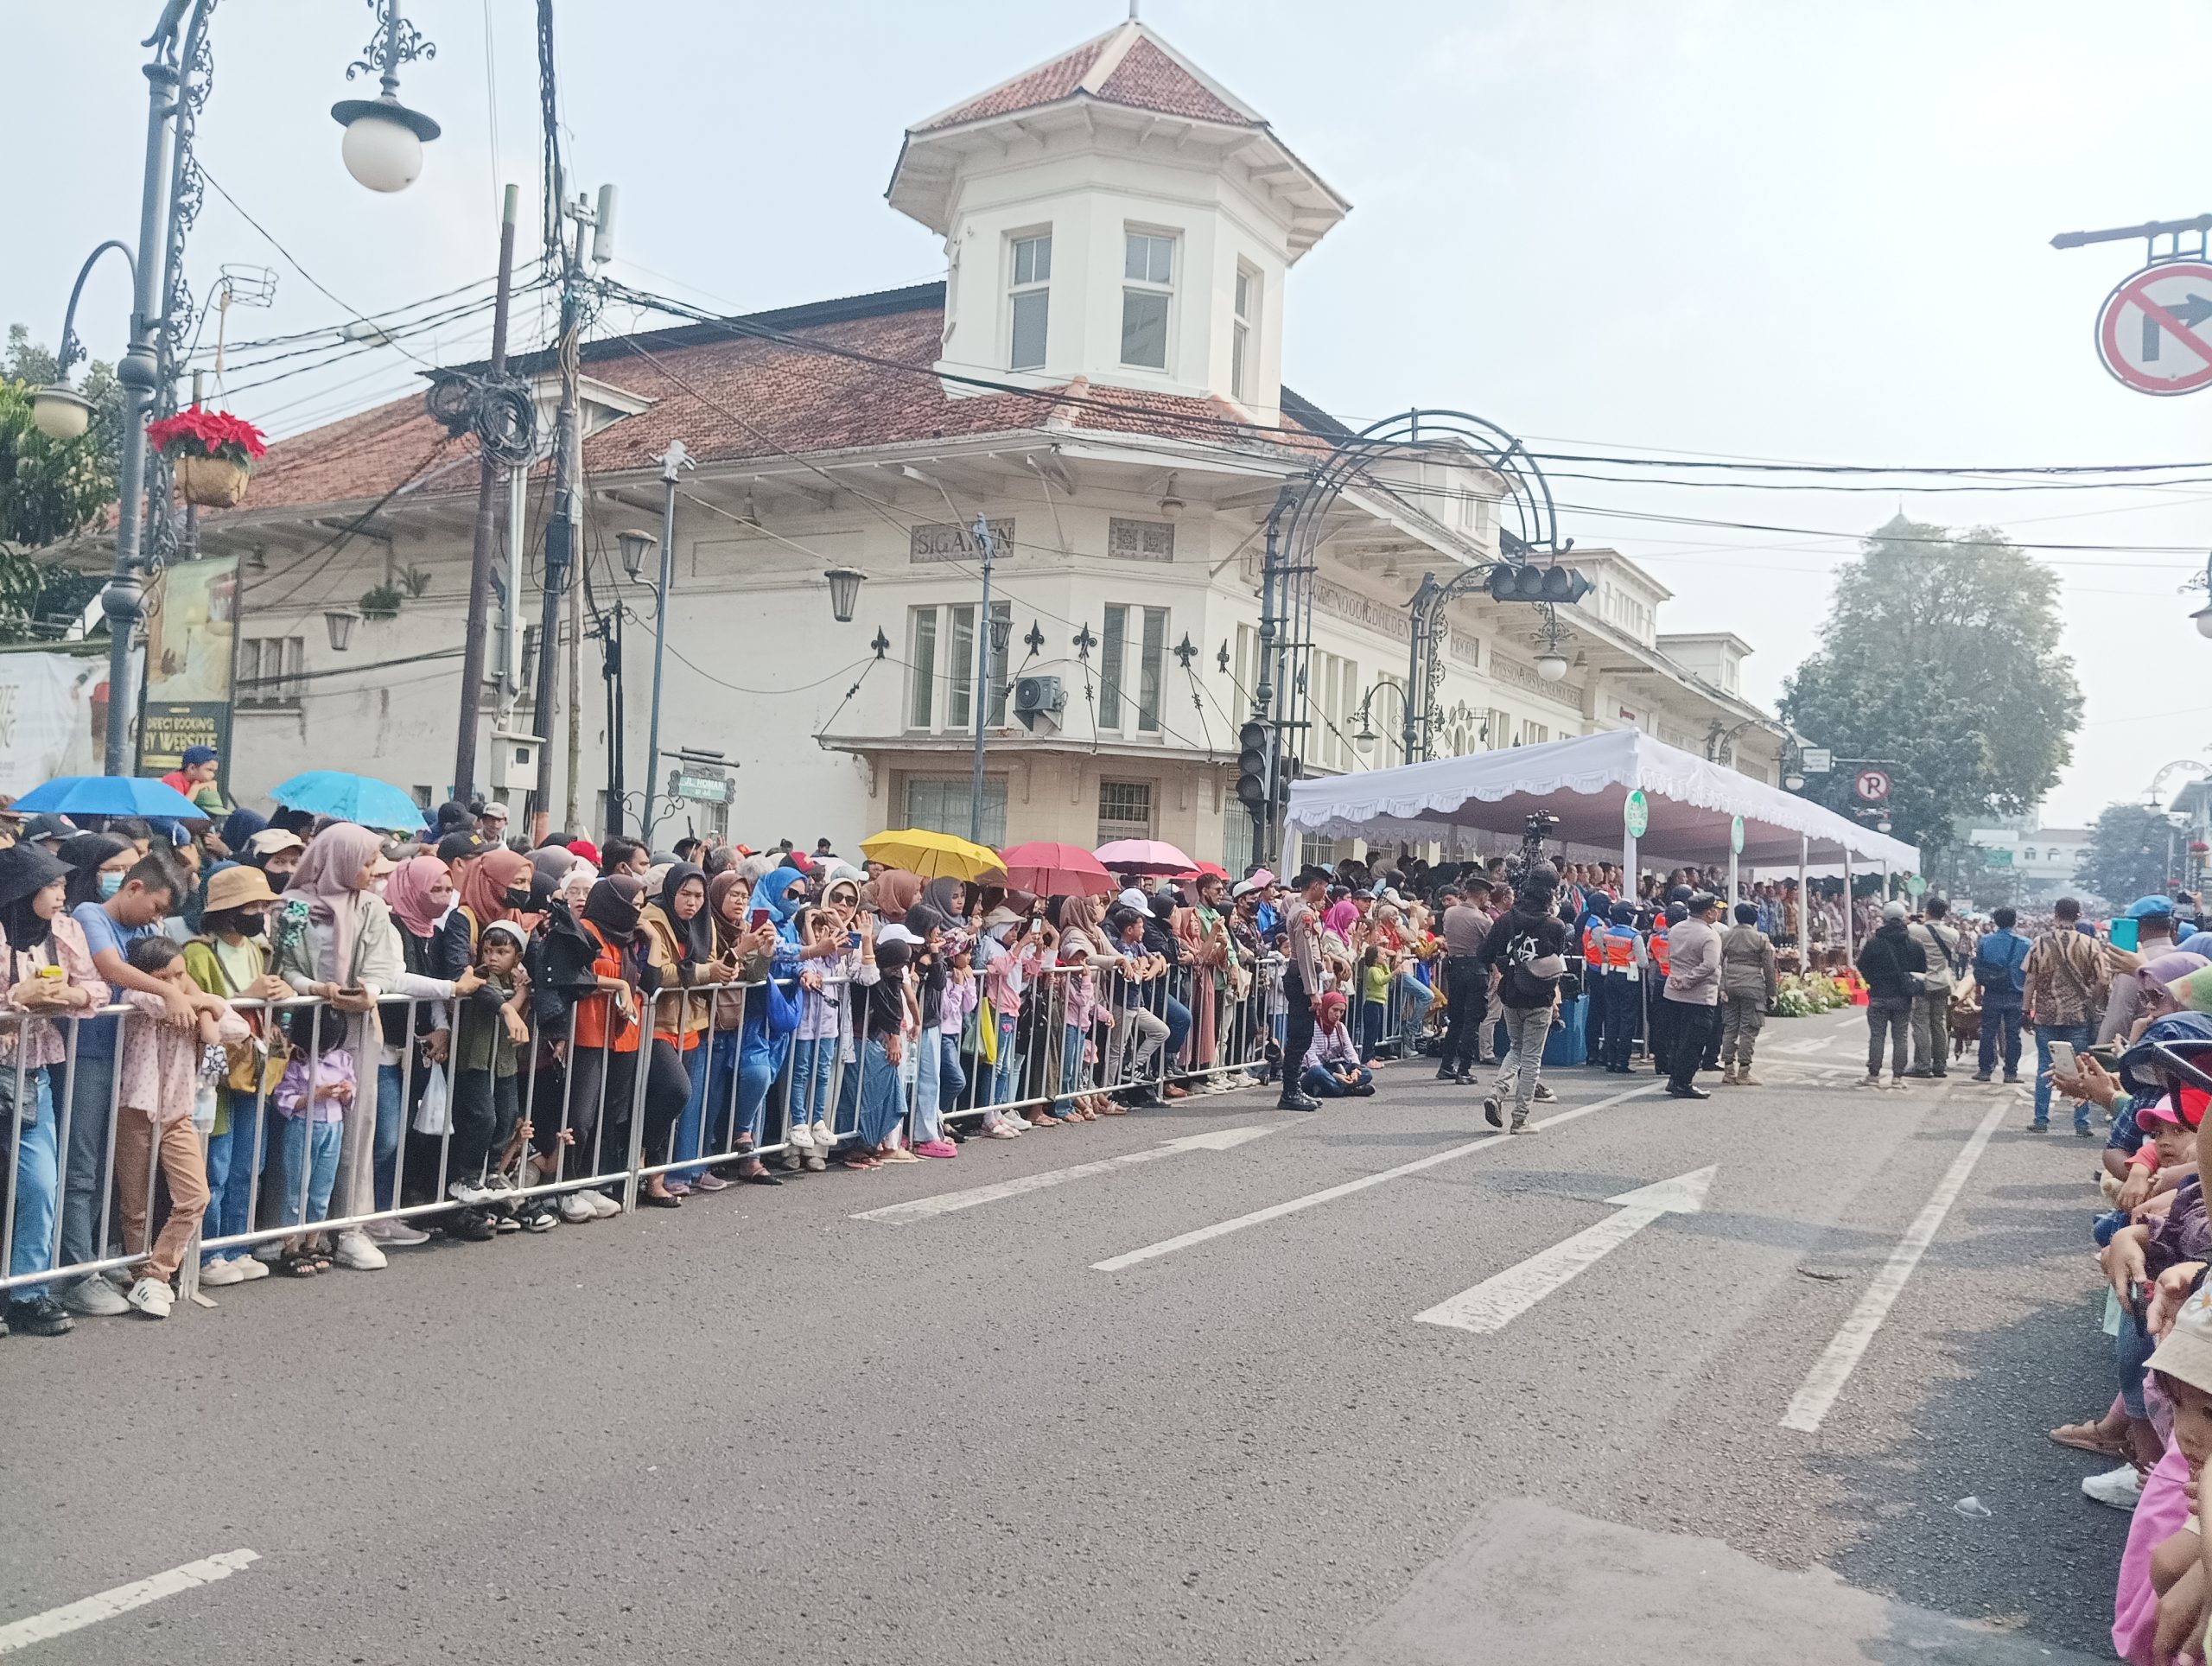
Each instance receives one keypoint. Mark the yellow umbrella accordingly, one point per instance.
(932, 856)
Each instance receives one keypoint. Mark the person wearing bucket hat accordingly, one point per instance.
(1331, 1069)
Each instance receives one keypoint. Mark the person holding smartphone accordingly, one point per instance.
(2062, 983)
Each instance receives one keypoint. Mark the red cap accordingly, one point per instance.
(585, 848)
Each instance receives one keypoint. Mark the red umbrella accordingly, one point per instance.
(1215, 868)
(1045, 869)
(1147, 856)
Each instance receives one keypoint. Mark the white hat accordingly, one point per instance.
(510, 929)
(892, 931)
(495, 808)
(1135, 899)
(2187, 1351)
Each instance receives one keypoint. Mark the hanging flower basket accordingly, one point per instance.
(212, 453)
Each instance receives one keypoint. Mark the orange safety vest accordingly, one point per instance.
(1620, 951)
(1594, 944)
(1659, 950)
(593, 1010)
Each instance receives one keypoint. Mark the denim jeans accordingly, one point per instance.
(233, 1159)
(1178, 1031)
(1371, 1014)
(35, 1183)
(1888, 1016)
(691, 1122)
(391, 1124)
(1527, 1030)
(85, 1164)
(1320, 1084)
(952, 1077)
(2080, 1036)
(756, 1074)
(1006, 1078)
(308, 1163)
(813, 1065)
(718, 1102)
(1071, 1082)
(1995, 1019)
(927, 1058)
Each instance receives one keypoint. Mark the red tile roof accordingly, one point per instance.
(1149, 80)
(731, 394)
(1136, 71)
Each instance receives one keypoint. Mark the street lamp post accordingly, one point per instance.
(673, 461)
(379, 133)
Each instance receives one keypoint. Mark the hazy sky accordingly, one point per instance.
(1735, 228)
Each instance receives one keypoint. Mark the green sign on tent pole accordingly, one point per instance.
(1635, 814)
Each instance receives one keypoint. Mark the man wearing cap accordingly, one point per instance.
(47, 831)
(194, 777)
(1466, 988)
(2154, 930)
(1693, 993)
(492, 822)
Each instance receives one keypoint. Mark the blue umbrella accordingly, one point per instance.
(350, 798)
(108, 795)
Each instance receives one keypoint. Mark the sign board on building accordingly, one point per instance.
(1636, 813)
(190, 647)
(1915, 885)
(1997, 856)
(703, 789)
(1817, 760)
(2154, 332)
(947, 541)
(50, 718)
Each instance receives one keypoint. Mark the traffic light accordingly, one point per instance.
(1532, 583)
(1252, 763)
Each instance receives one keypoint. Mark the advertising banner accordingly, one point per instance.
(190, 647)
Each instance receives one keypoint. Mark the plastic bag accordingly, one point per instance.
(430, 1115)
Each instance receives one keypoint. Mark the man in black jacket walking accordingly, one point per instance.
(1892, 964)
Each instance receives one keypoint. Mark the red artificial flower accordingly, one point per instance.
(200, 433)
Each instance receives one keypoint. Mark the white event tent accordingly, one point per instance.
(1586, 781)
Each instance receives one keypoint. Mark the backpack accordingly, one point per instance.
(1520, 951)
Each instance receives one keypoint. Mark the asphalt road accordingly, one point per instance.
(761, 1427)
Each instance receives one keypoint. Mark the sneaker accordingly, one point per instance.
(93, 1298)
(601, 1205)
(706, 1180)
(2014, 1079)
(1017, 1122)
(41, 1316)
(541, 1219)
(1521, 1128)
(1745, 1079)
(215, 1273)
(250, 1269)
(354, 1250)
(2117, 1489)
(152, 1297)
(399, 1234)
(503, 1223)
(1979, 1075)
(575, 1209)
(1544, 1095)
(1871, 1080)
(799, 1138)
(461, 1191)
(1493, 1113)
(824, 1140)
(936, 1149)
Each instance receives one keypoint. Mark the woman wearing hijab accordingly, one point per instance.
(680, 938)
(924, 1071)
(773, 1009)
(239, 826)
(49, 971)
(420, 894)
(896, 891)
(98, 863)
(742, 953)
(1082, 952)
(346, 950)
(885, 1019)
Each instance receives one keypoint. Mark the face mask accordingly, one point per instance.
(376, 887)
(277, 881)
(110, 884)
(251, 925)
(518, 899)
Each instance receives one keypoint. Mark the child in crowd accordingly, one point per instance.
(887, 1023)
(823, 1036)
(492, 1027)
(1374, 1003)
(160, 1068)
(1332, 1070)
(318, 1084)
(961, 995)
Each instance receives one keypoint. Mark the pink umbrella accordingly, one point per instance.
(1214, 868)
(1045, 869)
(1146, 856)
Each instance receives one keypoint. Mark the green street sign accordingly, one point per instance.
(1736, 837)
(1996, 858)
(1635, 814)
(1915, 885)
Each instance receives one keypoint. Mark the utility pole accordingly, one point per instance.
(485, 547)
(983, 679)
(673, 461)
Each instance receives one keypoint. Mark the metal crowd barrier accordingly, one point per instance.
(1056, 1048)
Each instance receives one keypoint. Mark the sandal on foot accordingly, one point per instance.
(2091, 1437)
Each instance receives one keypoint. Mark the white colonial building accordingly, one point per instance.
(1099, 377)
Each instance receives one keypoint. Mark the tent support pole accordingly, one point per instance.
(1804, 906)
(1850, 950)
(1734, 890)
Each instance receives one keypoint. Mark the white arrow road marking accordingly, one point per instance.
(922, 1208)
(1811, 1403)
(1498, 1300)
(55, 1622)
(1330, 1194)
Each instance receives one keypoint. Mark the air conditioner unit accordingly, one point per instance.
(1038, 702)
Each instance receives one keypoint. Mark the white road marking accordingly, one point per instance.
(75, 1617)
(1499, 1300)
(1277, 1210)
(1811, 1405)
(922, 1208)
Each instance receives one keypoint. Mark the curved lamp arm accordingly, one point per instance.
(71, 348)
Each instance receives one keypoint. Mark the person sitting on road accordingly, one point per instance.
(1331, 1068)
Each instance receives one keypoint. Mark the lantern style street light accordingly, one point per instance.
(844, 591)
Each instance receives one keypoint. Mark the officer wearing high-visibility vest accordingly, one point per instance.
(1656, 1024)
(1624, 961)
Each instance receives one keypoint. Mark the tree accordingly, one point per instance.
(2126, 857)
(1940, 653)
(49, 489)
